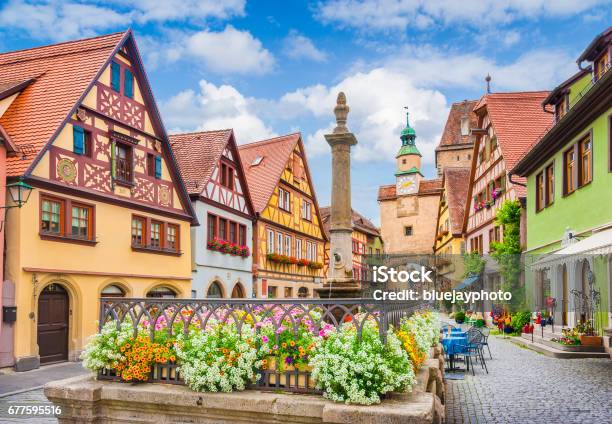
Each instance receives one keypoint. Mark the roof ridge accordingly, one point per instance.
(65, 42)
(268, 140)
(517, 92)
(199, 132)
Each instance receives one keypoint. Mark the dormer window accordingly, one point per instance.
(601, 65)
(561, 108)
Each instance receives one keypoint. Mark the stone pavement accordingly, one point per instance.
(526, 387)
(24, 388)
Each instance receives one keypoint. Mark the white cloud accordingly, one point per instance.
(176, 10)
(59, 21)
(511, 38)
(297, 46)
(389, 15)
(212, 108)
(229, 51)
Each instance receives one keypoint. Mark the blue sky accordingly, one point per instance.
(267, 68)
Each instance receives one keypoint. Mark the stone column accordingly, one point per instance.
(340, 281)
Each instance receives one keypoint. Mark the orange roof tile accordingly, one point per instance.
(360, 223)
(518, 121)
(61, 74)
(456, 184)
(197, 153)
(452, 130)
(430, 186)
(262, 177)
(387, 192)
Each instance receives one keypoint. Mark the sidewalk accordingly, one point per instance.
(14, 382)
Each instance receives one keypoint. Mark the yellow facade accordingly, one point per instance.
(285, 280)
(448, 248)
(84, 267)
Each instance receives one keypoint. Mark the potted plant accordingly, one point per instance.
(459, 317)
(587, 334)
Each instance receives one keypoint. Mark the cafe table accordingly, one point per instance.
(453, 344)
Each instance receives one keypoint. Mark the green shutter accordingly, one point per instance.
(113, 164)
(78, 136)
(158, 167)
(115, 76)
(128, 84)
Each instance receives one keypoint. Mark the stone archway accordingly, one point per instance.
(52, 327)
(215, 290)
(238, 291)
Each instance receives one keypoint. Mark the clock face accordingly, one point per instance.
(406, 184)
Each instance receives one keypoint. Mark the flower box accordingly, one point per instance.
(290, 376)
(227, 247)
(590, 340)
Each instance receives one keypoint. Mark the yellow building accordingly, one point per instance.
(367, 244)
(449, 244)
(108, 215)
(288, 241)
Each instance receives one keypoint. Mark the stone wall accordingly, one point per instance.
(86, 400)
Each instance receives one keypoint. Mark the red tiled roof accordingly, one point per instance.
(360, 223)
(263, 177)
(61, 73)
(197, 153)
(452, 130)
(387, 192)
(456, 184)
(518, 121)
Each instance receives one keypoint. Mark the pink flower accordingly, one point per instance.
(265, 339)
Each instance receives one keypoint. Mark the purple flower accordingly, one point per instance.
(289, 360)
(265, 339)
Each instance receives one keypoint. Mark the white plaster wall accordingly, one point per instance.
(211, 265)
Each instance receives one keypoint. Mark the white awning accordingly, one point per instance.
(599, 243)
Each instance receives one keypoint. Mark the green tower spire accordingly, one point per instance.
(408, 137)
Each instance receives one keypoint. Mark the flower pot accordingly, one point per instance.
(590, 340)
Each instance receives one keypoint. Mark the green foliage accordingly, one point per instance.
(508, 252)
(519, 319)
(473, 264)
(459, 316)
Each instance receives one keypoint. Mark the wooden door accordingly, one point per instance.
(53, 324)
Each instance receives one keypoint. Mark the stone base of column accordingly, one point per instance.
(339, 289)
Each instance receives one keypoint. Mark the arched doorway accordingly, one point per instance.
(162, 292)
(215, 291)
(112, 290)
(52, 325)
(565, 299)
(237, 291)
(302, 292)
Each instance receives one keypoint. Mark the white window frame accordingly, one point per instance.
(279, 243)
(287, 201)
(306, 210)
(270, 241)
(288, 245)
(311, 251)
(298, 248)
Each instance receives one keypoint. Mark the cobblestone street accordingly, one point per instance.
(526, 387)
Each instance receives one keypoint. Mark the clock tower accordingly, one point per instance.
(408, 158)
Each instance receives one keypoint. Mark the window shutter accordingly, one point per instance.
(158, 167)
(128, 87)
(503, 182)
(113, 162)
(78, 136)
(115, 76)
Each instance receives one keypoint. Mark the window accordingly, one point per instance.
(81, 141)
(138, 228)
(284, 200)
(279, 243)
(172, 236)
(288, 245)
(586, 161)
(288, 292)
(154, 168)
(306, 210)
(162, 292)
(493, 144)
(311, 251)
(298, 248)
(601, 66)
(408, 230)
(212, 227)
(128, 83)
(214, 291)
(569, 170)
(81, 221)
(403, 161)
(123, 163)
(550, 185)
(233, 236)
(223, 228)
(270, 244)
(115, 76)
(156, 234)
(112, 290)
(227, 176)
(540, 191)
(242, 237)
(272, 292)
(561, 108)
(52, 216)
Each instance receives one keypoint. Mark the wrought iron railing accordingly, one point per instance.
(143, 313)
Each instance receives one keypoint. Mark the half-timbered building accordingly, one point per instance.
(288, 241)
(109, 215)
(222, 245)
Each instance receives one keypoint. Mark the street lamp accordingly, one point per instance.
(19, 192)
